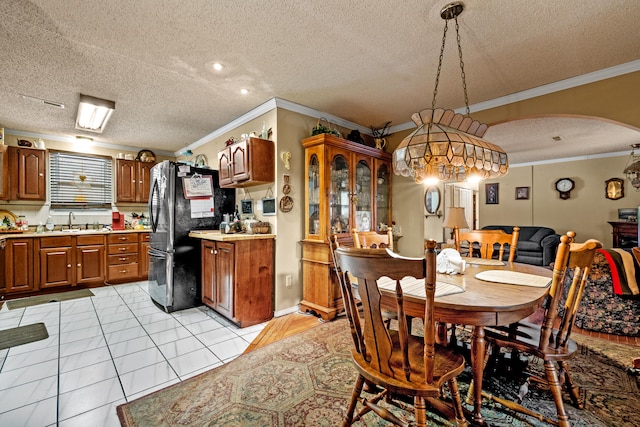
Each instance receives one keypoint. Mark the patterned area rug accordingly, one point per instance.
(306, 380)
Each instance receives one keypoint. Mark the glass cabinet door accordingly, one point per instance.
(314, 195)
(363, 191)
(382, 195)
(339, 195)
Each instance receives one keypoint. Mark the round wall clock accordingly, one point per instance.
(564, 187)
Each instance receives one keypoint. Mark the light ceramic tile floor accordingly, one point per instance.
(106, 350)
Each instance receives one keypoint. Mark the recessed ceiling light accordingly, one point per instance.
(218, 66)
(244, 91)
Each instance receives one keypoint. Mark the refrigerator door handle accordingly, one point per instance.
(154, 221)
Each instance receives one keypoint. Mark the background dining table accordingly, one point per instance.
(482, 303)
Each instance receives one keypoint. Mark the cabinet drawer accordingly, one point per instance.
(122, 259)
(55, 242)
(123, 238)
(124, 248)
(145, 237)
(124, 271)
(92, 239)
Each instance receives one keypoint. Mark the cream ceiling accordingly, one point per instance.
(365, 61)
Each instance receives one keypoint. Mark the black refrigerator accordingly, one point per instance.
(182, 198)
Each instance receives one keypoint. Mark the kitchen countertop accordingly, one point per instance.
(220, 237)
(18, 235)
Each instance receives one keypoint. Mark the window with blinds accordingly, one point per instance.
(80, 180)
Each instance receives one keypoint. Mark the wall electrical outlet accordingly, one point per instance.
(287, 281)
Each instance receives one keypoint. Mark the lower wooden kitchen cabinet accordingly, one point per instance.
(122, 257)
(18, 265)
(33, 262)
(70, 260)
(237, 279)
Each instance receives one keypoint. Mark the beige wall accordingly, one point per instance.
(289, 129)
(587, 210)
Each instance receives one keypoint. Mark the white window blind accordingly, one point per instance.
(80, 180)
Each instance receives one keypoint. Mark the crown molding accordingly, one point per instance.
(74, 140)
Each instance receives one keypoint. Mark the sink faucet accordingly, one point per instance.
(71, 216)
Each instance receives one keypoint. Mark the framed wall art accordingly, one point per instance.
(614, 189)
(522, 193)
(491, 191)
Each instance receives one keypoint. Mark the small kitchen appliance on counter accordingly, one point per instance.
(117, 221)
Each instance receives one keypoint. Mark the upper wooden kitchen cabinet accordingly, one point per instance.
(347, 186)
(4, 173)
(246, 163)
(27, 174)
(133, 180)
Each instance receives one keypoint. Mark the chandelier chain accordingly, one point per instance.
(435, 89)
(464, 80)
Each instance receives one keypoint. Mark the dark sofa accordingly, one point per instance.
(536, 245)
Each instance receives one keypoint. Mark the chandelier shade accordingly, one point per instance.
(632, 171)
(447, 146)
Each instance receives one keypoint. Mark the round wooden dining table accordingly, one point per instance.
(483, 303)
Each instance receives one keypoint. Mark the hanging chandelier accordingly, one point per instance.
(632, 171)
(448, 146)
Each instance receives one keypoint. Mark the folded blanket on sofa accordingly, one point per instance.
(624, 270)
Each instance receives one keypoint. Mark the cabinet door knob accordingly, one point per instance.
(123, 271)
(68, 265)
(123, 259)
(79, 265)
(123, 238)
(211, 251)
(123, 249)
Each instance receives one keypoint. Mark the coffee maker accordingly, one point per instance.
(117, 221)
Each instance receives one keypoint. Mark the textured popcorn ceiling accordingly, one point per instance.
(366, 61)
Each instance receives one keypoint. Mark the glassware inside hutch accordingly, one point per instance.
(339, 195)
(382, 195)
(363, 196)
(314, 195)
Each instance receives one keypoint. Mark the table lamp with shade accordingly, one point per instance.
(456, 220)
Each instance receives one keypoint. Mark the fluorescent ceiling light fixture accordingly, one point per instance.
(93, 113)
(244, 91)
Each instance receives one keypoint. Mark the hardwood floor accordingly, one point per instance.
(283, 327)
(291, 324)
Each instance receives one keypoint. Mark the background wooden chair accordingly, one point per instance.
(551, 341)
(396, 361)
(488, 240)
(371, 239)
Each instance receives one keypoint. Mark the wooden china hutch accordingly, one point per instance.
(347, 185)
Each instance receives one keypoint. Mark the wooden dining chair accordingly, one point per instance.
(396, 361)
(371, 239)
(488, 241)
(551, 341)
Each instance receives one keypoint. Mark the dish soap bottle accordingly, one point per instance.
(49, 225)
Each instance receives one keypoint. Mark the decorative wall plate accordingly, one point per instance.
(286, 204)
(146, 156)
